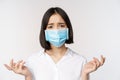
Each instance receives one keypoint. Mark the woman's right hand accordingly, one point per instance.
(18, 68)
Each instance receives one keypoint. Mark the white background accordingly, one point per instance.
(96, 25)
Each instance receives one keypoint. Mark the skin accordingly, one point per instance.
(19, 68)
(56, 53)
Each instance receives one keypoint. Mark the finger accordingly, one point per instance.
(102, 60)
(18, 63)
(93, 62)
(16, 66)
(8, 67)
(11, 63)
(98, 63)
(21, 64)
(94, 65)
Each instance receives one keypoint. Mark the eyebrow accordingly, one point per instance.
(53, 23)
(50, 24)
(61, 23)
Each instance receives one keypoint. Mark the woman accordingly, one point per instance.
(56, 61)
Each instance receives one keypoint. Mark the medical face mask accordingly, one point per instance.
(57, 37)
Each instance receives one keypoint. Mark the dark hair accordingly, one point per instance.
(45, 44)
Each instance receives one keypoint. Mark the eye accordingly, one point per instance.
(49, 27)
(62, 25)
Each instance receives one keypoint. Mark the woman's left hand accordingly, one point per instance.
(93, 65)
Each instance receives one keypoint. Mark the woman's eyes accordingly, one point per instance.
(49, 27)
(62, 25)
(59, 26)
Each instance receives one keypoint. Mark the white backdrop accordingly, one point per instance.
(96, 25)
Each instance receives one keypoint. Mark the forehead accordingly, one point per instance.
(56, 18)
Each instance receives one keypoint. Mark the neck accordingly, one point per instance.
(57, 51)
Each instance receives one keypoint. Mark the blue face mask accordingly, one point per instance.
(56, 37)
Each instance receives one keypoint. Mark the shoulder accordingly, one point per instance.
(34, 59)
(35, 56)
(77, 56)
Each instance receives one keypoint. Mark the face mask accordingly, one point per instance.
(57, 37)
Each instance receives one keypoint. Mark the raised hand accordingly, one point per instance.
(93, 65)
(18, 68)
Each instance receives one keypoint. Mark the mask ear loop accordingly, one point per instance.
(67, 34)
(46, 36)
